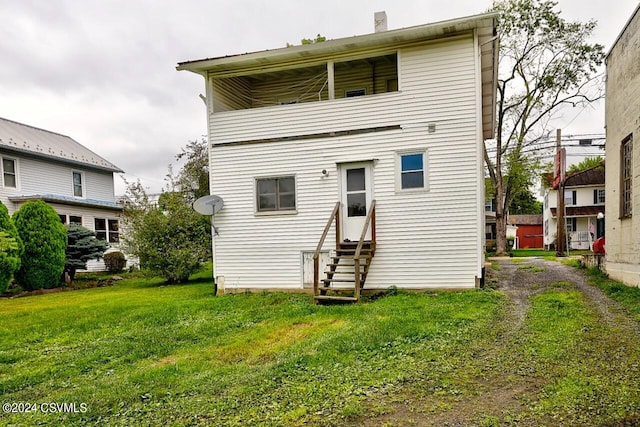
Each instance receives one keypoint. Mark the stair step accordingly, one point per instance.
(334, 298)
(339, 280)
(362, 256)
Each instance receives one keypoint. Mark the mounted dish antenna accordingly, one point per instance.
(209, 205)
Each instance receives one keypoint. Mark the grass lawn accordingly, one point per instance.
(178, 355)
(139, 353)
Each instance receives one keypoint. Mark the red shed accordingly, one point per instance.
(530, 231)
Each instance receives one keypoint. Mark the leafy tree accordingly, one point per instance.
(45, 240)
(82, 246)
(193, 178)
(587, 163)
(169, 238)
(545, 63)
(11, 248)
(525, 203)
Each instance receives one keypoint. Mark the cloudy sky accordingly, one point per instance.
(103, 71)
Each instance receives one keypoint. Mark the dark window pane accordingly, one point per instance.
(101, 235)
(63, 219)
(267, 202)
(8, 166)
(267, 186)
(355, 179)
(287, 185)
(355, 92)
(114, 237)
(75, 219)
(287, 201)
(100, 224)
(412, 162)
(9, 180)
(413, 179)
(113, 225)
(357, 204)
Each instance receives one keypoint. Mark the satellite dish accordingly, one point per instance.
(208, 205)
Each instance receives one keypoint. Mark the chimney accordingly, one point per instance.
(380, 21)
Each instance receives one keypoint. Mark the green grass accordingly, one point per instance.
(531, 268)
(628, 296)
(532, 253)
(178, 355)
(142, 353)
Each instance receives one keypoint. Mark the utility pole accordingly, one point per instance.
(559, 170)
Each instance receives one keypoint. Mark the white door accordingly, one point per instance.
(356, 195)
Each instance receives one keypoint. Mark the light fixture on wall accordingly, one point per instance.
(325, 173)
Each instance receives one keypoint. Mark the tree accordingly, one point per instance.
(587, 163)
(45, 240)
(525, 203)
(545, 63)
(11, 248)
(82, 246)
(170, 238)
(193, 178)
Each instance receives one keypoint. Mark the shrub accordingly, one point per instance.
(114, 262)
(45, 240)
(82, 247)
(11, 248)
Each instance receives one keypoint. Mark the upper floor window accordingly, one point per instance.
(350, 93)
(9, 175)
(107, 229)
(276, 194)
(626, 152)
(598, 196)
(78, 184)
(570, 197)
(490, 205)
(412, 170)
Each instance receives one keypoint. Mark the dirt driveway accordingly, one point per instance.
(504, 382)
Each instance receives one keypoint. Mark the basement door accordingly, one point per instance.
(356, 193)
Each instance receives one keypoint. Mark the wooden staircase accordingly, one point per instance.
(346, 272)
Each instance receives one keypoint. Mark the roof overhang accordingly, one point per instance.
(483, 25)
(70, 161)
(71, 201)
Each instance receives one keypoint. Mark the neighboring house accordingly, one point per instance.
(396, 116)
(41, 165)
(529, 232)
(584, 199)
(490, 223)
(622, 113)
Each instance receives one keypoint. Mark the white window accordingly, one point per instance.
(599, 197)
(570, 197)
(412, 170)
(276, 194)
(107, 229)
(9, 173)
(70, 219)
(78, 184)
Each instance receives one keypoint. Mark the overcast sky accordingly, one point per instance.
(103, 71)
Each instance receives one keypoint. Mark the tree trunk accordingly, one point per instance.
(501, 219)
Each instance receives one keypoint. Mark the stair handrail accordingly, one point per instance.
(335, 216)
(371, 219)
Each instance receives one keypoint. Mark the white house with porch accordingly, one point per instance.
(361, 154)
(584, 202)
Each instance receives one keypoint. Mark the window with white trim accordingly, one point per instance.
(276, 194)
(107, 229)
(9, 173)
(78, 184)
(412, 168)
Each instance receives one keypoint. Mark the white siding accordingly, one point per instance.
(37, 176)
(425, 239)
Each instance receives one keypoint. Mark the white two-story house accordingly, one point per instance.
(41, 165)
(584, 202)
(377, 137)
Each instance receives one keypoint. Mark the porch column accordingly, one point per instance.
(331, 80)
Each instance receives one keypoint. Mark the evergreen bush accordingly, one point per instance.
(45, 240)
(82, 247)
(11, 248)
